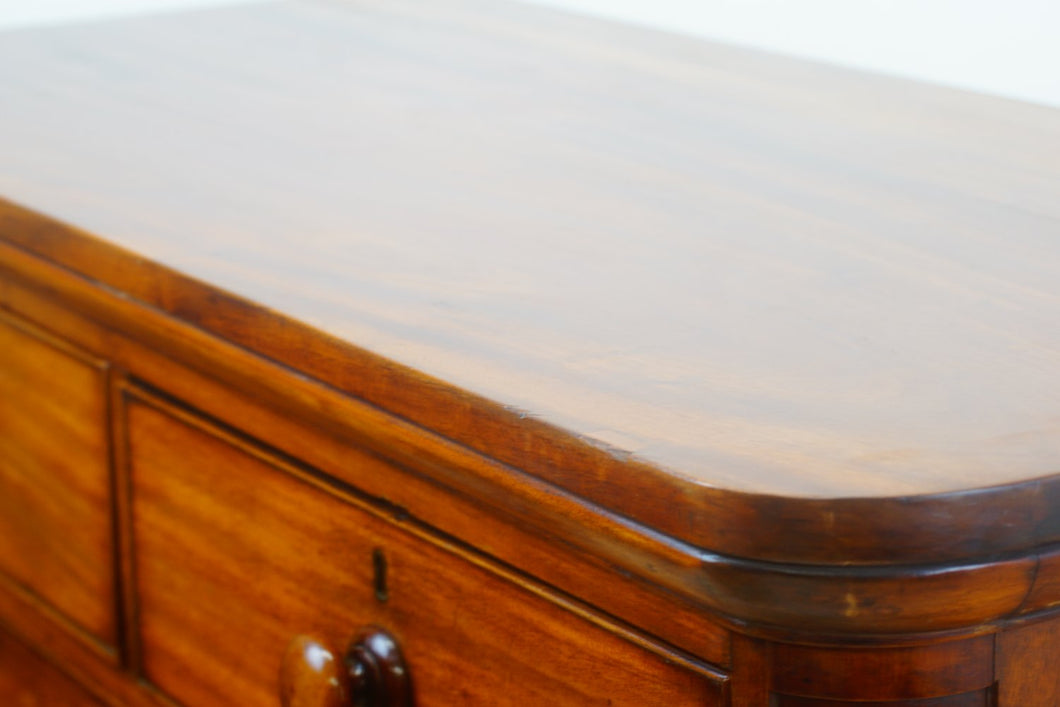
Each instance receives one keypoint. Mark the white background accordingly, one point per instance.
(1004, 47)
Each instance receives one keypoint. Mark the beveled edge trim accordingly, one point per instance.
(107, 652)
(109, 646)
(31, 329)
(825, 604)
(744, 589)
(943, 669)
(942, 527)
(764, 597)
(137, 392)
(21, 618)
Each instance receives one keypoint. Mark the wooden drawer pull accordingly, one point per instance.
(372, 673)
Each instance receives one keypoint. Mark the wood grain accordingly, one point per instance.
(906, 673)
(1045, 593)
(311, 675)
(981, 523)
(857, 600)
(758, 273)
(55, 488)
(606, 566)
(978, 698)
(24, 616)
(236, 558)
(27, 680)
(752, 677)
(621, 353)
(1026, 665)
(537, 528)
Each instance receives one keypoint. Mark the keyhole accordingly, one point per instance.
(379, 564)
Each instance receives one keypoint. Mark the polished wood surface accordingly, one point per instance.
(979, 698)
(512, 517)
(371, 673)
(1026, 665)
(866, 665)
(56, 536)
(27, 680)
(311, 675)
(591, 365)
(758, 273)
(226, 576)
(879, 281)
(928, 671)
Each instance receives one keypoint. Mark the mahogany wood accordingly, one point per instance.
(834, 428)
(371, 673)
(979, 698)
(31, 622)
(378, 672)
(1026, 665)
(731, 264)
(55, 504)
(593, 572)
(596, 365)
(716, 579)
(750, 685)
(1045, 592)
(908, 672)
(225, 576)
(27, 680)
(313, 676)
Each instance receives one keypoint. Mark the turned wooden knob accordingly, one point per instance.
(311, 676)
(372, 673)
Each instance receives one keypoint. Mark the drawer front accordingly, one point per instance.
(238, 552)
(27, 680)
(56, 538)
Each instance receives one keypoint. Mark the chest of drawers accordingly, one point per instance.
(470, 353)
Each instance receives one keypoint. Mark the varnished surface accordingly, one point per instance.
(312, 675)
(753, 252)
(588, 553)
(236, 557)
(370, 673)
(920, 531)
(1026, 665)
(874, 672)
(757, 273)
(22, 615)
(27, 680)
(907, 673)
(1045, 594)
(591, 565)
(55, 527)
(979, 698)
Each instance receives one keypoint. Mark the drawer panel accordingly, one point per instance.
(238, 551)
(55, 503)
(27, 680)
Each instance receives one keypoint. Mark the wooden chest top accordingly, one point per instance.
(690, 282)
